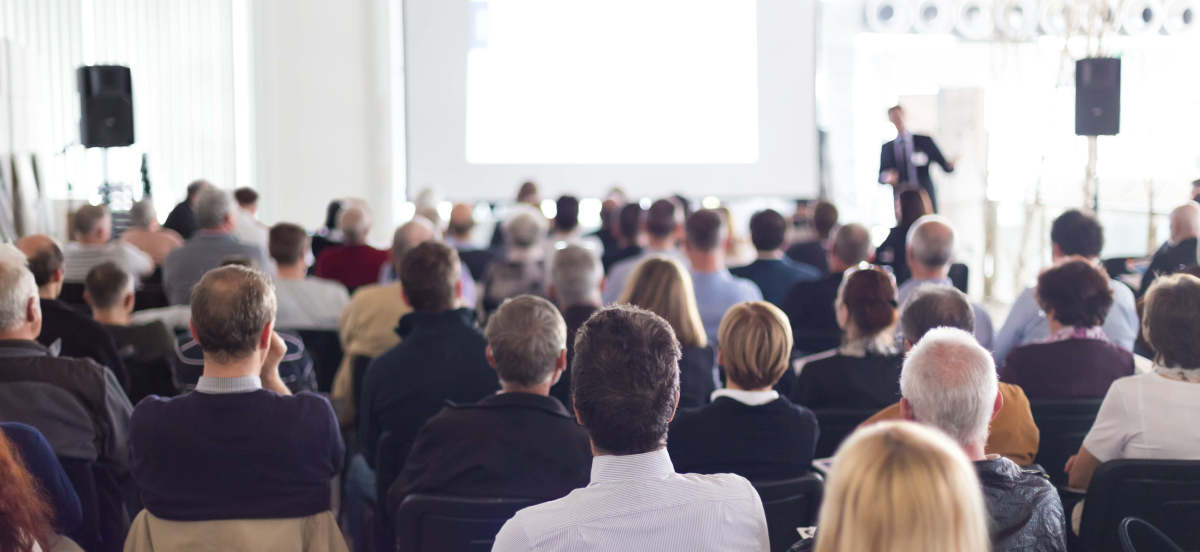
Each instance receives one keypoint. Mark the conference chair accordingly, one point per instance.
(1139, 536)
(790, 503)
(325, 348)
(959, 276)
(430, 523)
(836, 424)
(1062, 425)
(102, 502)
(1164, 493)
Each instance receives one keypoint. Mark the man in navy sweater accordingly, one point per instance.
(240, 446)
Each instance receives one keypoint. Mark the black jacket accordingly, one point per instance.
(893, 252)
(768, 442)
(811, 253)
(1168, 260)
(511, 445)
(697, 376)
(80, 337)
(1024, 510)
(834, 380)
(182, 220)
(809, 306)
(921, 144)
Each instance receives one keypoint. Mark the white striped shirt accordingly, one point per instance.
(79, 258)
(638, 502)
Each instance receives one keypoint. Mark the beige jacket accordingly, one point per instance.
(315, 533)
(367, 328)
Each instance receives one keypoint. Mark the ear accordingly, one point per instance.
(458, 289)
(57, 276)
(674, 408)
(603, 282)
(33, 309)
(997, 405)
(127, 302)
(720, 357)
(404, 294)
(551, 295)
(1055, 251)
(192, 330)
(490, 357)
(560, 366)
(908, 255)
(264, 339)
(906, 410)
(87, 298)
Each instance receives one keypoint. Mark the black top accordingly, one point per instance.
(607, 240)
(1068, 369)
(574, 316)
(1167, 260)
(774, 277)
(768, 442)
(476, 261)
(80, 337)
(809, 306)
(511, 445)
(440, 358)
(146, 350)
(1024, 510)
(893, 252)
(618, 254)
(834, 380)
(182, 220)
(697, 376)
(811, 253)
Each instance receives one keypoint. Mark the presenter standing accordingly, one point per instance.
(904, 162)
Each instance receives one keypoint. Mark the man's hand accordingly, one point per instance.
(270, 367)
(891, 176)
(1070, 463)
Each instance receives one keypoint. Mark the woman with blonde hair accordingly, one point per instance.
(749, 429)
(662, 285)
(901, 487)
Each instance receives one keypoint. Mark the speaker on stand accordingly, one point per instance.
(1097, 112)
(105, 110)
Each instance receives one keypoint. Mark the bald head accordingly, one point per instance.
(233, 308)
(462, 221)
(355, 223)
(409, 235)
(45, 262)
(1185, 222)
(931, 244)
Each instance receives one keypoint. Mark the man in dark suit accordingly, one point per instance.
(809, 305)
(518, 443)
(904, 162)
(772, 272)
(1179, 251)
(182, 218)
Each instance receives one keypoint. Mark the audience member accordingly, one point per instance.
(576, 280)
(1076, 360)
(565, 230)
(809, 305)
(625, 233)
(716, 289)
(815, 252)
(146, 234)
(522, 271)
(64, 330)
(204, 251)
(1180, 250)
(31, 510)
(328, 234)
(626, 389)
(145, 349)
(929, 250)
(76, 403)
(182, 219)
(518, 443)
(304, 302)
(773, 272)
(91, 226)
(241, 446)
(459, 236)
(353, 263)
(528, 196)
(748, 429)
(892, 252)
(661, 285)
(416, 231)
(901, 487)
(440, 356)
(609, 209)
(661, 226)
(864, 371)
(1013, 433)
(246, 227)
(1073, 233)
(949, 382)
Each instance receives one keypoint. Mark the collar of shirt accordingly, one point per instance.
(1075, 332)
(748, 398)
(655, 464)
(224, 386)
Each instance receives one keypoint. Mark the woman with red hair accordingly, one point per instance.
(27, 515)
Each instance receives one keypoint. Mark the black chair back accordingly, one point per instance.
(325, 348)
(105, 521)
(789, 504)
(1137, 535)
(960, 276)
(835, 426)
(72, 294)
(1164, 493)
(428, 523)
(1062, 425)
(358, 367)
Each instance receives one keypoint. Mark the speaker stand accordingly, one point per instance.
(105, 185)
(1091, 191)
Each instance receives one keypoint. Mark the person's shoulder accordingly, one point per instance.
(719, 486)
(816, 361)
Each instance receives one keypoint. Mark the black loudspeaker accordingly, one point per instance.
(105, 106)
(1098, 96)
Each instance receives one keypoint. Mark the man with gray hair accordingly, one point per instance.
(91, 228)
(576, 282)
(146, 234)
(929, 252)
(1179, 251)
(523, 268)
(353, 263)
(809, 304)
(520, 442)
(949, 382)
(212, 243)
(409, 235)
(76, 403)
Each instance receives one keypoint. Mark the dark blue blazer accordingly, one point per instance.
(774, 277)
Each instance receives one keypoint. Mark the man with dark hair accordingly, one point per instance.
(809, 305)
(145, 349)
(305, 303)
(91, 227)
(626, 389)
(65, 330)
(518, 443)
(661, 226)
(773, 272)
(241, 446)
(213, 242)
(715, 287)
(565, 229)
(1073, 234)
(628, 220)
(182, 219)
(815, 251)
(246, 227)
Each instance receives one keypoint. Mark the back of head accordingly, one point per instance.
(355, 224)
(950, 383)
(1077, 233)
(142, 214)
(901, 487)
(196, 187)
(87, 219)
(246, 197)
(869, 296)
(17, 287)
(566, 214)
(1185, 221)
(931, 240)
(825, 217)
(629, 221)
(214, 206)
(429, 274)
(106, 285)
(852, 244)
(409, 235)
(286, 243)
(524, 230)
(935, 307)
(625, 379)
(661, 285)
(575, 274)
(912, 206)
(1076, 292)
(1170, 319)
(526, 335)
(231, 306)
(706, 230)
(663, 218)
(45, 257)
(756, 343)
(462, 220)
(528, 193)
(768, 230)
(27, 515)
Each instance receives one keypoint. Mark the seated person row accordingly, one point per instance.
(716, 290)
(92, 244)
(212, 243)
(661, 228)
(810, 304)
(929, 251)
(773, 272)
(522, 268)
